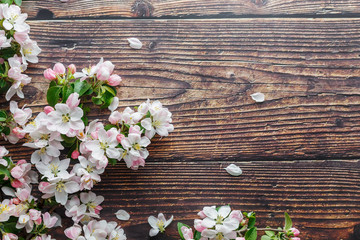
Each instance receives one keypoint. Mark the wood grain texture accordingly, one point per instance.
(45, 9)
(322, 197)
(205, 71)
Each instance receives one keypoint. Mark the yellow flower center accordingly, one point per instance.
(161, 225)
(156, 124)
(3, 208)
(54, 169)
(65, 118)
(60, 186)
(137, 146)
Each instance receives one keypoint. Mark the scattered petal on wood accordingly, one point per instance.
(122, 215)
(258, 97)
(135, 43)
(234, 170)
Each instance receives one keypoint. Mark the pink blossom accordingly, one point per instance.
(295, 238)
(48, 109)
(16, 201)
(237, 215)
(73, 232)
(16, 183)
(18, 132)
(72, 68)
(49, 221)
(50, 74)
(59, 68)
(120, 137)
(187, 233)
(114, 80)
(73, 100)
(17, 171)
(9, 236)
(21, 115)
(34, 214)
(21, 37)
(240, 238)
(75, 154)
(198, 225)
(295, 231)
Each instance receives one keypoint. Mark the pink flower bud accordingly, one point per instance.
(295, 238)
(49, 74)
(9, 236)
(103, 73)
(16, 201)
(38, 221)
(198, 225)
(17, 171)
(34, 214)
(75, 154)
(43, 185)
(72, 68)
(18, 132)
(98, 209)
(59, 68)
(48, 109)
(73, 100)
(120, 137)
(114, 80)
(16, 183)
(237, 215)
(295, 231)
(187, 233)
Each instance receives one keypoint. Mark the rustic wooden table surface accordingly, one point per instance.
(299, 150)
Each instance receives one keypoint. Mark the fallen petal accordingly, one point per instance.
(258, 97)
(135, 43)
(122, 215)
(233, 170)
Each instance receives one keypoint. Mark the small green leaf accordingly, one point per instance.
(81, 87)
(197, 235)
(288, 222)
(66, 92)
(252, 221)
(53, 95)
(110, 89)
(7, 1)
(6, 130)
(265, 237)
(109, 126)
(18, 2)
(251, 234)
(2, 119)
(270, 233)
(112, 161)
(4, 172)
(97, 100)
(3, 114)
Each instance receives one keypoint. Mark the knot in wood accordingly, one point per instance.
(259, 3)
(142, 8)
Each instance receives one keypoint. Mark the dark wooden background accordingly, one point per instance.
(299, 150)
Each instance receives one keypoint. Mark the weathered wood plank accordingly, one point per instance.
(205, 71)
(321, 196)
(45, 9)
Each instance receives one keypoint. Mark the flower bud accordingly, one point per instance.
(21, 37)
(73, 101)
(16, 201)
(295, 231)
(16, 183)
(48, 109)
(120, 137)
(75, 154)
(72, 68)
(295, 238)
(18, 132)
(59, 68)
(114, 80)
(103, 73)
(49, 74)
(17, 172)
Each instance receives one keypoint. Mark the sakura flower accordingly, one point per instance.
(64, 119)
(74, 209)
(30, 51)
(92, 202)
(88, 172)
(6, 210)
(9, 236)
(115, 232)
(21, 116)
(158, 224)
(158, 123)
(73, 232)
(21, 37)
(49, 221)
(14, 19)
(105, 144)
(60, 188)
(20, 80)
(53, 169)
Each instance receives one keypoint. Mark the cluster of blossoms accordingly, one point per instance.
(16, 50)
(91, 146)
(226, 224)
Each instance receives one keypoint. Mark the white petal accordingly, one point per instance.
(208, 223)
(210, 212)
(224, 211)
(153, 221)
(122, 215)
(233, 170)
(153, 232)
(135, 43)
(258, 97)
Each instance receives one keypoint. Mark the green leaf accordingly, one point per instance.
(112, 161)
(53, 95)
(2, 119)
(52, 84)
(97, 100)
(197, 235)
(252, 221)
(110, 89)
(4, 172)
(251, 234)
(66, 92)
(7, 1)
(107, 98)
(81, 87)
(10, 227)
(109, 126)
(265, 237)
(288, 222)
(270, 233)
(180, 225)
(3, 114)
(6, 130)
(18, 2)
(68, 139)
